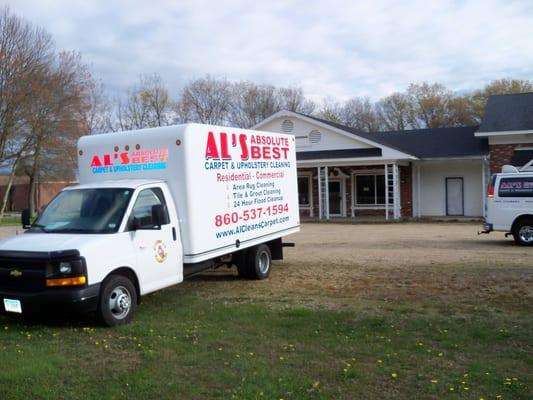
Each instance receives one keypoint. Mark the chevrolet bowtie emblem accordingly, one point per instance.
(15, 273)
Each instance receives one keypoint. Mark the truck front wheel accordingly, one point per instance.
(259, 262)
(523, 232)
(118, 301)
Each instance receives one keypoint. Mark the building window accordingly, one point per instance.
(304, 191)
(370, 189)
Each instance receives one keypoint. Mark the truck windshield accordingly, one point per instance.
(85, 211)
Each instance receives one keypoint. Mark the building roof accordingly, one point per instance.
(438, 142)
(508, 112)
(426, 143)
(333, 154)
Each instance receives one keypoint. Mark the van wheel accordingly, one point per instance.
(259, 262)
(118, 301)
(523, 232)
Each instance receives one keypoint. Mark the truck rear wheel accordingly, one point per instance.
(118, 301)
(523, 232)
(259, 262)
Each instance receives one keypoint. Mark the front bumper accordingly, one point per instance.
(81, 300)
(487, 228)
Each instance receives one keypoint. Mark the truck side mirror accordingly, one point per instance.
(25, 218)
(159, 215)
(134, 224)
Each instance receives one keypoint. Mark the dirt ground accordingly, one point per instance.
(334, 264)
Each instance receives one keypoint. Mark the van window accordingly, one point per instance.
(516, 187)
(142, 210)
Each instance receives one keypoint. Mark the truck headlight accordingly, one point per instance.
(71, 272)
(65, 267)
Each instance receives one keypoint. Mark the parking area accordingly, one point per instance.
(334, 264)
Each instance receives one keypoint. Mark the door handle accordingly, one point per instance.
(174, 233)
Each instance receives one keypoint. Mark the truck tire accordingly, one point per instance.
(259, 262)
(118, 301)
(523, 232)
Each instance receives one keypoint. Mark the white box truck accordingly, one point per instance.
(153, 207)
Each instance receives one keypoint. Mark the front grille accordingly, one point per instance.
(24, 275)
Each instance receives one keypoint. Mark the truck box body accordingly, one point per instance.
(232, 188)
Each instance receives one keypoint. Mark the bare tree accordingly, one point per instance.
(361, 114)
(251, 104)
(429, 104)
(54, 119)
(479, 98)
(146, 105)
(97, 116)
(293, 99)
(394, 112)
(25, 50)
(331, 110)
(206, 100)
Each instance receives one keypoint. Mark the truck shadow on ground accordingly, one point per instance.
(215, 276)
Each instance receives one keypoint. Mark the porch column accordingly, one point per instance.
(483, 185)
(326, 192)
(318, 178)
(396, 191)
(386, 193)
(418, 191)
(323, 193)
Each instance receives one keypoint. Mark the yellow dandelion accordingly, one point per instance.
(434, 381)
(394, 375)
(441, 354)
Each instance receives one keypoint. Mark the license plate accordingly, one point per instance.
(11, 305)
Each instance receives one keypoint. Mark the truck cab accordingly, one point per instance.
(124, 229)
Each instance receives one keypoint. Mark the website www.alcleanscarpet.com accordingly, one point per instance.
(250, 227)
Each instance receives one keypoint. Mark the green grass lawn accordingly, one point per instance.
(185, 345)
(10, 220)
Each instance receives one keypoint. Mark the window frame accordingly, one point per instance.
(375, 204)
(158, 192)
(309, 176)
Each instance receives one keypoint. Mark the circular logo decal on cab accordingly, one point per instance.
(160, 251)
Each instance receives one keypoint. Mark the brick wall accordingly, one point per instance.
(19, 194)
(406, 191)
(501, 154)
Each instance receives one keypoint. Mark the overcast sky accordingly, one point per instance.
(331, 48)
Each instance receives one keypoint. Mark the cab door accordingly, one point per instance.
(156, 249)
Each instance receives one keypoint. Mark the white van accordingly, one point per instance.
(510, 204)
(153, 207)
